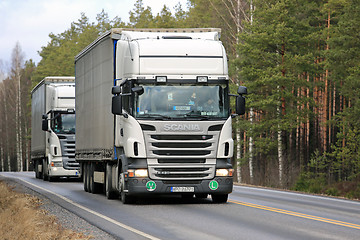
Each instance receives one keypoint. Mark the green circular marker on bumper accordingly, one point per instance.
(151, 186)
(213, 185)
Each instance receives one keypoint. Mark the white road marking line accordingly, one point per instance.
(96, 213)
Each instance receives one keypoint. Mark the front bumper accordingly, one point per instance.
(61, 172)
(146, 186)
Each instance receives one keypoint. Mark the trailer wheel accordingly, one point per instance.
(219, 198)
(110, 191)
(85, 177)
(88, 169)
(94, 187)
(36, 170)
(125, 198)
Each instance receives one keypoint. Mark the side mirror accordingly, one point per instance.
(240, 105)
(242, 90)
(44, 124)
(116, 105)
(116, 90)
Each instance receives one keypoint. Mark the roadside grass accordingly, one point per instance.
(21, 217)
(318, 184)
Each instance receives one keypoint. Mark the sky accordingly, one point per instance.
(30, 22)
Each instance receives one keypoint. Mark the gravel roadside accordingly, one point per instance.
(66, 218)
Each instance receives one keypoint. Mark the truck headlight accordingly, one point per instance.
(224, 172)
(137, 173)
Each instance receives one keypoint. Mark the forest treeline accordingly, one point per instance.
(300, 61)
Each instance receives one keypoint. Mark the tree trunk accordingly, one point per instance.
(238, 155)
(17, 62)
(251, 167)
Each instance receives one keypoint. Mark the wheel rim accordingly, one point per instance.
(121, 187)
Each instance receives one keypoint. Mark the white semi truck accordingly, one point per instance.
(53, 128)
(166, 127)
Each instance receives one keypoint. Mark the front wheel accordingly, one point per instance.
(124, 196)
(45, 174)
(111, 192)
(38, 174)
(219, 198)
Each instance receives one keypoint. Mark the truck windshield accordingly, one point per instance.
(195, 102)
(63, 123)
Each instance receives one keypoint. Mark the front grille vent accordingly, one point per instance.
(181, 153)
(181, 145)
(181, 160)
(181, 137)
(67, 143)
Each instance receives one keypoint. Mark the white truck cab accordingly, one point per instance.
(53, 128)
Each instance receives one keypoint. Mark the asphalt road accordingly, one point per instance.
(250, 213)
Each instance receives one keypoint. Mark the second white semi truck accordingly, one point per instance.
(53, 128)
(166, 127)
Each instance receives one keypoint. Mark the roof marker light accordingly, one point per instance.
(202, 79)
(161, 79)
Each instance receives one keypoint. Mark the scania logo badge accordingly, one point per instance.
(182, 127)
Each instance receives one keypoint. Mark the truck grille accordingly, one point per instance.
(67, 143)
(181, 145)
(180, 156)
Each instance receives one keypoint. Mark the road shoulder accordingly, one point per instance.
(67, 219)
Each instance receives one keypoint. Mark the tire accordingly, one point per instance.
(37, 173)
(94, 187)
(219, 198)
(125, 198)
(85, 177)
(88, 176)
(110, 190)
(45, 174)
(42, 170)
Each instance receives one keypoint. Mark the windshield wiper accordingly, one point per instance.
(193, 114)
(155, 116)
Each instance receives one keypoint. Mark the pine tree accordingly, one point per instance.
(58, 56)
(344, 60)
(276, 56)
(164, 19)
(141, 17)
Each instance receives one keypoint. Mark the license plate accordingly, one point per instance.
(182, 189)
